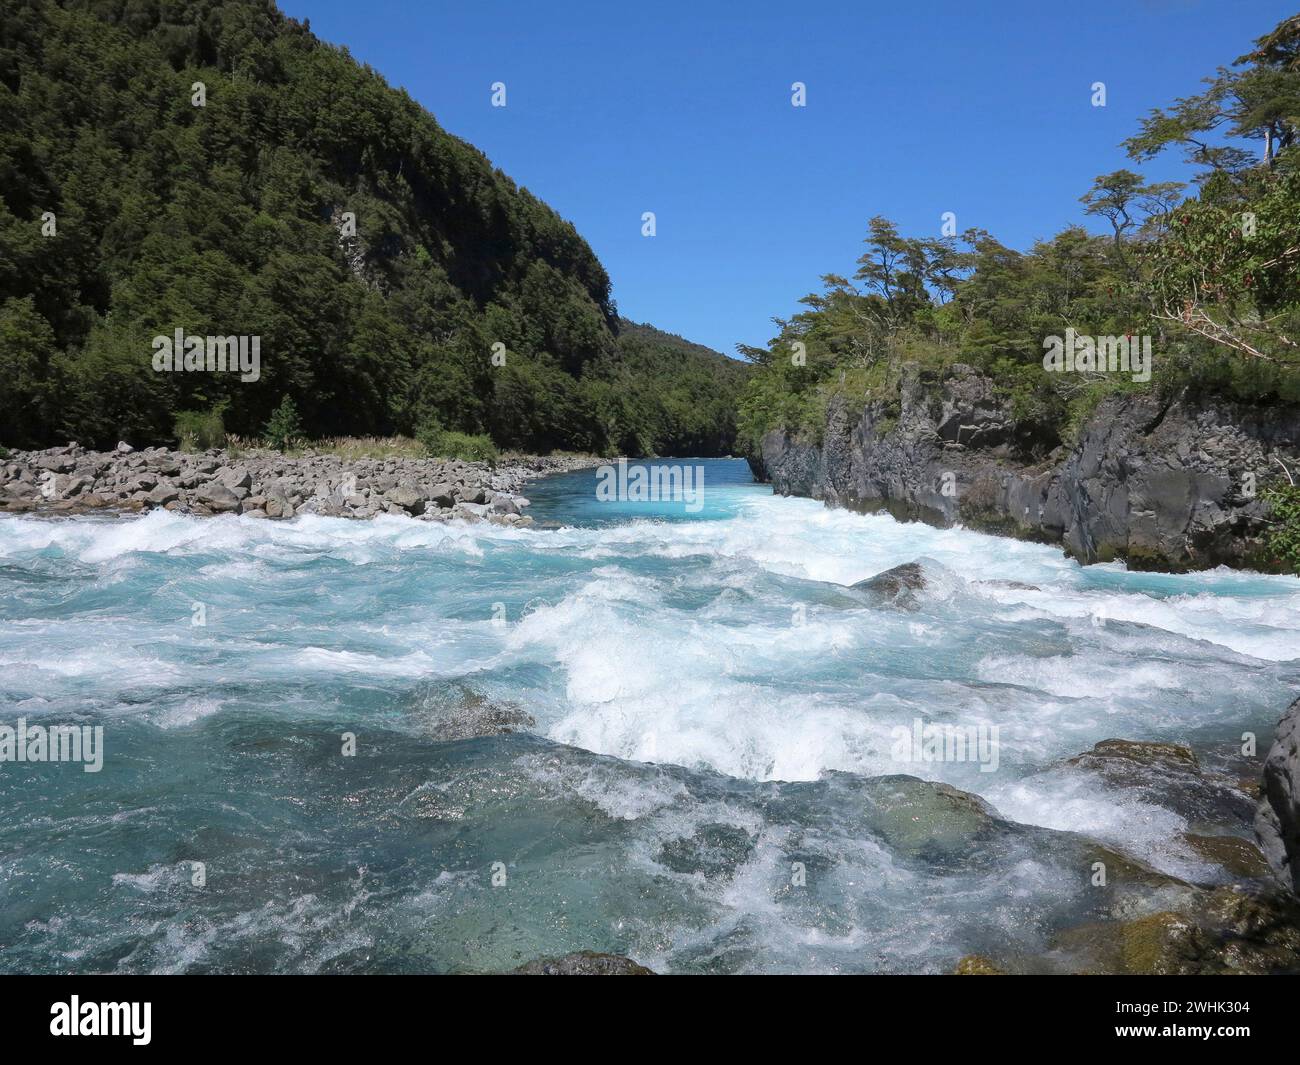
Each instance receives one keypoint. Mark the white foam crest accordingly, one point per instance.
(1266, 628)
(97, 540)
(189, 712)
(1076, 802)
(728, 680)
(1091, 675)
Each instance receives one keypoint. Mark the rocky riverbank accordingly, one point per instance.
(267, 484)
(1243, 918)
(1234, 911)
(1162, 483)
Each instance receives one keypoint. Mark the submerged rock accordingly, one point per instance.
(1277, 819)
(715, 851)
(458, 712)
(927, 820)
(1176, 755)
(977, 965)
(1125, 872)
(583, 963)
(1238, 857)
(1018, 586)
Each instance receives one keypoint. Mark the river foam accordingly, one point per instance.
(729, 645)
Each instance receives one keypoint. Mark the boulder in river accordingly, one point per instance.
(1015, 586)
(443, 494)
(408, 498)
(897, 585)
(1170, 775)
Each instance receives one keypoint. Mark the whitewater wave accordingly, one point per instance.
(714, 711)
(730, 643)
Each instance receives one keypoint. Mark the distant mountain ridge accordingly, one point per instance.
(211, 166)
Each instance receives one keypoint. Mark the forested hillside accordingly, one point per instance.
(209, 165)
(675, 390)
(1211, 274)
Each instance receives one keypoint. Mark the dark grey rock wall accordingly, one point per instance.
(1277, 821)
(1160, 482)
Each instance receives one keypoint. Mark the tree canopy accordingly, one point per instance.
(1215, 279)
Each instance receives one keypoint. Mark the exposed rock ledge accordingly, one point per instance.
(1161, 483)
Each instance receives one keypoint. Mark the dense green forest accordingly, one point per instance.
(210, 165)
(1211, 273)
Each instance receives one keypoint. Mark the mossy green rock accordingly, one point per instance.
(1229, 931)
(977, 965)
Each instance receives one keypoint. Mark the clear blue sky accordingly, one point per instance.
(683, 109)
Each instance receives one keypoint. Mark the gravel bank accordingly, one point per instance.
(267, 484)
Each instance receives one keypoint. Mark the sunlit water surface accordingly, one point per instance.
(711, 783)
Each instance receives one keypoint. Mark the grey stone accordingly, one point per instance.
(895, 585)
(236, 477)
(504, 504)
(217, 498)
(277, 503)
(470, 511)
(1277, 820)
(407, 498)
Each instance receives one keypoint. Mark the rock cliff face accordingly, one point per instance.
(1277, 822)
(1167, 483)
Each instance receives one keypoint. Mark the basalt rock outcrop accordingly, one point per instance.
(1161, 482)
(1277, 821)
